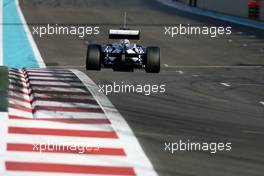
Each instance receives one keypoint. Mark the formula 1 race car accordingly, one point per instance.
(123, 55)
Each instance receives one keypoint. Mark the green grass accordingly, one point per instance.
(3, 88)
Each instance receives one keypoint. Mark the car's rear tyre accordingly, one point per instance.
(152, 64)
(93, 57)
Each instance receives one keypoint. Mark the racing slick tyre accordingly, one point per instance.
(93, 57)
(152, 64)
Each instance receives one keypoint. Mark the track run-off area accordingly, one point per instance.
(58, 123)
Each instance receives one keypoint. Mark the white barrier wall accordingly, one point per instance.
(234, 7)
(231, 7)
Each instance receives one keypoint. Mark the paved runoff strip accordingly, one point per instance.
(33, 45)
(14, 28)
(59, 124)
(1, 33)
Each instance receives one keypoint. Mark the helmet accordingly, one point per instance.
(125, 42)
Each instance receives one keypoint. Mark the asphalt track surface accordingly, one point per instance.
(196, 106)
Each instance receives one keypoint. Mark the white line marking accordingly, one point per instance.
(80, 97)
(16, 102)
(50, 114)
(15, 112)
(1, 33)
(225, 84)
(66, 66)
(53, 78)
(246, 84)
(64, 104)
(214, 66)
(166, 65)
(230, 40)
(262, 102)
(72, 159)
(62, 140)
(46, 70)
(30, 38)
(47, 74)
(26, 173)
(180, 72)
(11, 93)
(68, 89)
(47, 83)
(59, 126)
(125, 134)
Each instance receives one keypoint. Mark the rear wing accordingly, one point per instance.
(124, 34)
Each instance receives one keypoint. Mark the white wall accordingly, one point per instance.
(231, 7)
